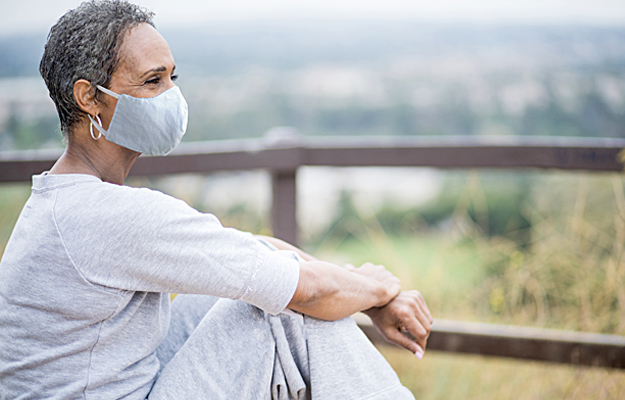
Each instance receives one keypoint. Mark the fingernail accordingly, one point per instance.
(419, 353)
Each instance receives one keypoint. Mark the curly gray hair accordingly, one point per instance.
(84, 44)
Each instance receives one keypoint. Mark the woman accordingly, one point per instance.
(85, 277)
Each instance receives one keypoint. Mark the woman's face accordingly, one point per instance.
(146, 67)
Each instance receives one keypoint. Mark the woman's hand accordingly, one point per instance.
(407, 314)
(380, 274)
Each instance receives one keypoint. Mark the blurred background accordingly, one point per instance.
(528, 248)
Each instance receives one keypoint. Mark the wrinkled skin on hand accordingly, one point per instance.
(407, 314)
(390, 282)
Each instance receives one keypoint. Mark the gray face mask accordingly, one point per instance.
(153, 125)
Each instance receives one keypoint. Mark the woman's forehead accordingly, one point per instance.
(144, 49)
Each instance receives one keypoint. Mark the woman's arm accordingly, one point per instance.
(327, 291)
(404, 320)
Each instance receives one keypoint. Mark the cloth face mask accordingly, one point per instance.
(153, 125)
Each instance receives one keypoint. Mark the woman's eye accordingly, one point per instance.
(174, 78)
(153, 81)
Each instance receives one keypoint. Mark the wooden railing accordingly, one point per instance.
(283, 152)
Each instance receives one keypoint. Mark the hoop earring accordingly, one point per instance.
(91, 129)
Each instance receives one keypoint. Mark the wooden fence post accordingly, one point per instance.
(284, 205)
(283, 181)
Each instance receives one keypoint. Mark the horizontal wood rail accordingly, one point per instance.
(550, 345)
(282, 155)
(292, 152)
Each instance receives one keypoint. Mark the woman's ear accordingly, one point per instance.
(85, 97)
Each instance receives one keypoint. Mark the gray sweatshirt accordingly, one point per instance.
(84, 284)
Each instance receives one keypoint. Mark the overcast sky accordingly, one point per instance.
(39, 15)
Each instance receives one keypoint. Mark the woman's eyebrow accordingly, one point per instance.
(157, 69)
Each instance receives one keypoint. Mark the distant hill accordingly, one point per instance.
(348, 78)
(228, 48)
(20, 55)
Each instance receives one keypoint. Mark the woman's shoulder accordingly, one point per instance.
(92, 196)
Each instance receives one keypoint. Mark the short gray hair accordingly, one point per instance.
(84, 44)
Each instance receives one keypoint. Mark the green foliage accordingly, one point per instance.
(12, 199)
(492, 201)
(34, 133)
(570, 276)
(241, 217)
(566, 273)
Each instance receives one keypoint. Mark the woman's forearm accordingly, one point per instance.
(327, 291)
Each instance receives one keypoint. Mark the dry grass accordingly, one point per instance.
(570, 275)
(463, 377)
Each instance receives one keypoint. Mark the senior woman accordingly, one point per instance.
(85, 277)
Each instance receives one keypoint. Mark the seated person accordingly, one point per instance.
(86, 275)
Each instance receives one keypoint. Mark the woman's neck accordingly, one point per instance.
(102, 159)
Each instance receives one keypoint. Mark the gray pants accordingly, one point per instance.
(228, 349)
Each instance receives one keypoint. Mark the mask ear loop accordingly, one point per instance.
(91, 129)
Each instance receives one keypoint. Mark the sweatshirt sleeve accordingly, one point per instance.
(143, 240)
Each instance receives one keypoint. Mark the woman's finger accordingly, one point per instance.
(420, 331)
(420, 309)
(425, 319)
(397, 337)
(424, 306)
